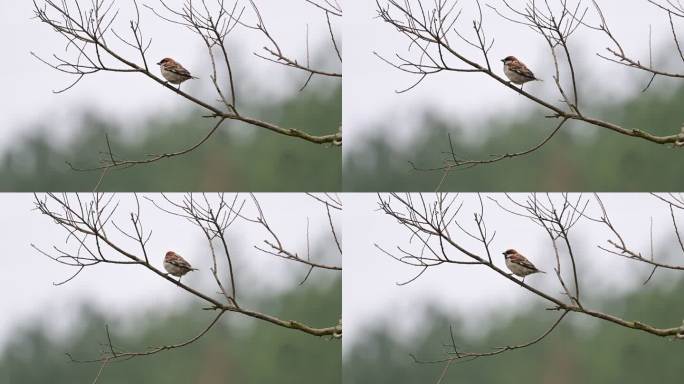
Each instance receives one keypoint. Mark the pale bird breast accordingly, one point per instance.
(173, 77)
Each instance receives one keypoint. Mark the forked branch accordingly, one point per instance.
(441, 234)
(91, 37)
(439, 40)
(98, 232)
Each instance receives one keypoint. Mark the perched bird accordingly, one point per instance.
(519, 265)
(173, 72)
(517, 72)
(176, 265)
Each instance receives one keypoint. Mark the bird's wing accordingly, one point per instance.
(522, 70)
(180, 262)
(179, 70)
(521, 260)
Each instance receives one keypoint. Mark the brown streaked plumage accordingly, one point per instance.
(173, 72)
(176, 265)
(517, 72)
(519, 265)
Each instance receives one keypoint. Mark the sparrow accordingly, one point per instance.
(176, 265)
(173, 72)
(517, 72)
(519, 265)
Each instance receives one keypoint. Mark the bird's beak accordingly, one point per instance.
(159, 63)
(503, 253)
(503, 60)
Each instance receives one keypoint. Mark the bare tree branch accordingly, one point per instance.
(440, 41)
(89, 220)
(439, 234)
(89, 32)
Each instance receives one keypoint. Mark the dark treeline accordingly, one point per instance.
(592, 351)
(600, 160)
(256, 353)
(251, 160)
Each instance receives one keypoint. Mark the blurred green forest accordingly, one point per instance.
(591, 160)
(590, 351)
(238, 157)
(256, 352)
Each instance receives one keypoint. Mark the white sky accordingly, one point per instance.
(126, 292)
(472, 99)
(132, 98)
(369, 84)
(372, 299)
(370, 292)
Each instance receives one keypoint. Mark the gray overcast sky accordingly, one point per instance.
(128, 292)
(474, 99)
(132, 98)
(373, 300)
(369, 84)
